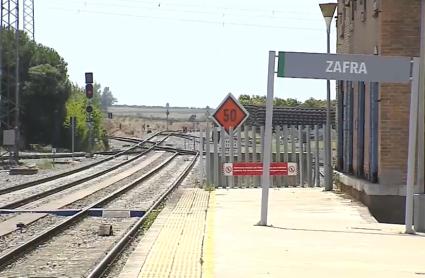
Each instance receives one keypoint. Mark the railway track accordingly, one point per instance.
(82, 252)
(163, 148)
(138, 144)
(74, 199)
(26, 199)
(22, 196)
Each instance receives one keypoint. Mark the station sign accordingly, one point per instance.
(230, 114)
(256, 169)
(348, 67)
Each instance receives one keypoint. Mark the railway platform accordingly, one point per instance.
(311, 233)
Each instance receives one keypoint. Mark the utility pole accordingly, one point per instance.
(1, 65)
(10, 20)
(28, 18)
(17, 110)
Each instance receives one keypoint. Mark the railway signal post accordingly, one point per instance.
(89, 108)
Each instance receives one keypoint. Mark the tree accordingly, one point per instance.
(47, 98)
(314, 103)
(292, 102)
(76, 107)
(44, 88)
(280, 102)
(245, 99)
(107, 99)
(44, 95)
(258, 100)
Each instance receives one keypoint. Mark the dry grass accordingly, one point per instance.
(133, 126)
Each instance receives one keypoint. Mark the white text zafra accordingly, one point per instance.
(346, 67)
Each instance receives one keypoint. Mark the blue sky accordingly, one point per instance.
(187, 53)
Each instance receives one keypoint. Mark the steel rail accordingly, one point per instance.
(125, 139)
(157, 147)
(38, 239)
(132, 140)
(119, 247)
(61, 175)
(43, 194)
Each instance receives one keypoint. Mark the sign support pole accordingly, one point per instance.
(73, 121)
(413, 121)
(268, 139)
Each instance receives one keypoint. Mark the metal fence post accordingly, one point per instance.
(308, 149)
(246, 140)
(278, 179)
(293, 147)
(215, 162)
(201, 159)
(208, 154)
(317, 157)
(294, 154)
(254, 152)
(285, 150)
(239, 157)
(261, 143)
(301, 162)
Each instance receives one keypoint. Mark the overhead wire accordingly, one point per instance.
(180, 4)
(216, 22)
(219, 9)
(219, 19)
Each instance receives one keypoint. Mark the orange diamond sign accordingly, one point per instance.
(230, 113)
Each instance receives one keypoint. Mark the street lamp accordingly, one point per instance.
(328, 10)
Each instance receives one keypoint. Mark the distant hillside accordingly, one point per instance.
(158, 112)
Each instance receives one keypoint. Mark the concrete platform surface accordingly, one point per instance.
(311, 234)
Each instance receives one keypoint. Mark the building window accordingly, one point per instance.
(363, 14)
(341, 20)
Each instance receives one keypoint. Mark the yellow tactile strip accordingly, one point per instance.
(178, 249)
(208, 247)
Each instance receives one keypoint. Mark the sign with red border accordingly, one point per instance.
(230, 113)
(256, 169)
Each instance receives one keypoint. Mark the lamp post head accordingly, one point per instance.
(328, 10)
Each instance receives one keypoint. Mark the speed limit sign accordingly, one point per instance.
(230, 113)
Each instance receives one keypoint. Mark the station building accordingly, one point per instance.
(373, 118)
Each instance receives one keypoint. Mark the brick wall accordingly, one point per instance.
(400, 24)
(394, 30)
(359, 35)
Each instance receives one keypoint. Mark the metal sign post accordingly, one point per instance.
(268, 140)
(413, 121)
(349, 68)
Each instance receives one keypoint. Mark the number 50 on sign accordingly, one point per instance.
(230, 113)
